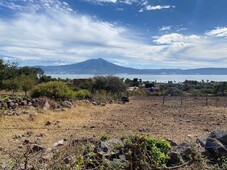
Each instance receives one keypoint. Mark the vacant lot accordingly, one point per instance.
(178, 119)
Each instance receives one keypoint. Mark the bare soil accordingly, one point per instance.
(180, 120)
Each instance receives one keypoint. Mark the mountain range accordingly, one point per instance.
(101, 66)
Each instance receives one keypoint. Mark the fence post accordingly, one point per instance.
(206, 99)
(163, 100)
(181, 101)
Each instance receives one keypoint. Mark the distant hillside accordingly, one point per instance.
(101, 66)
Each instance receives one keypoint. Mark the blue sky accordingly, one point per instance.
(134, 33)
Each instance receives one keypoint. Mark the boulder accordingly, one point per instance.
(219, 135)
(180, 154)
(215, 147)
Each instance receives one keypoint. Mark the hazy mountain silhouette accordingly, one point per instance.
(101, 66)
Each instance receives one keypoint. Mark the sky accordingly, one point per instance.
(134, 33)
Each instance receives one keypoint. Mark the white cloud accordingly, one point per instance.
(191, 51)
(175, 37)
(158, 7)
(218, 32)
(165, 28)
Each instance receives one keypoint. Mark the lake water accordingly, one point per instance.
(157, 78)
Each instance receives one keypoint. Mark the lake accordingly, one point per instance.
(157, 78)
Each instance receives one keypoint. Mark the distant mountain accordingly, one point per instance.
(101, 66)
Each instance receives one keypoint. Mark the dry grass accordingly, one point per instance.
(144, 115)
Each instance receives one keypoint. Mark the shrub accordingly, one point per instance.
(52, 89)
(82, 94)
(145, 151)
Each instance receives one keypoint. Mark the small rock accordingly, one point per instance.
(29, 133)
(59, 143)
(68, 160)
(48, 123)
(20, 146)
(18, 136)
(190, 136)
(125, 99)
(24, 103)
(94, 103)
(26, 141)
(36, 148)
(67, 104)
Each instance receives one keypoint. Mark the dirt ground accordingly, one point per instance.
(180, 120)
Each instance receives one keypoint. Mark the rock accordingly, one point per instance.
(219, 135)
(67, 104)
(107, 148)
(180, 154)
(18, 136)
(46, 105)
(59, 143)
(215, 147)
(125, 99)
(48, 123)
(68, 160)
(29, 133)
(10, 104)
(94, 103)
(201, 141)
(92, 127)
(5, 105)
(104, 146)
(26, 141)
(24, 103)
(144, 130)
(54, 105)
(36, 148)
(174, 159)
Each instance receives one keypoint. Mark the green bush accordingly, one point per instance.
(82, 94)
(52, 89)
(145, 151)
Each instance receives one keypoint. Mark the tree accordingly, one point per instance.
(110, 84)
(26, 83)
(11, 84)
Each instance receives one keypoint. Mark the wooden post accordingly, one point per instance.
(217, 101)
(181, 101)
(206, 100)
(163, 100)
